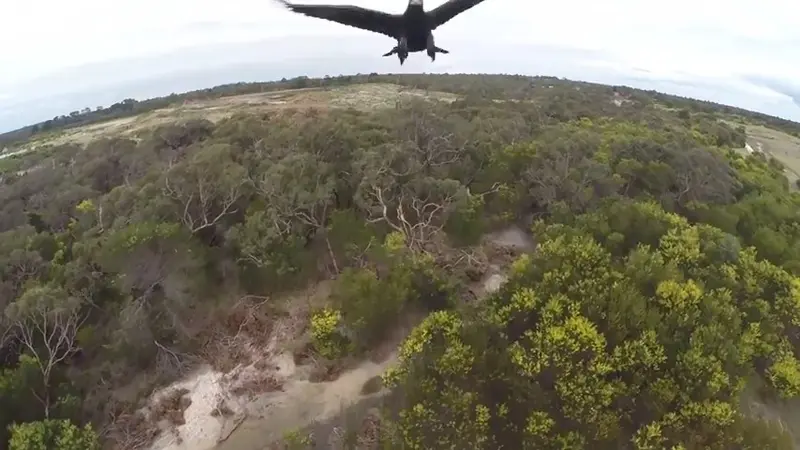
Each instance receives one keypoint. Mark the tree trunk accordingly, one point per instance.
(330, 252)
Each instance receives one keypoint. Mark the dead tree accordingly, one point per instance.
(46, 321)
(419, 210)
(22, 265)
(206, 188)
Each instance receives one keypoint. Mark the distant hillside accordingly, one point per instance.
(499, 86)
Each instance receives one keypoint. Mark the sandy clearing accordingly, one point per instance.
(784, 147)
(512, 237)
(256, 419)
(301, 404)
(783, 413)
(265, 399)
(201, 429)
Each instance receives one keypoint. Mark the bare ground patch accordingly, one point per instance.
(240, 360)
(260, 379)
(782, 415)
(784, 147)
(249, 374)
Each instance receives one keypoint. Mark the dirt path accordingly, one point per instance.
(254, 421)
(301, 404)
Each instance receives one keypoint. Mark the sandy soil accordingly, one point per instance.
(512, 237)
(301, 404)
(783, 413)
(201, 429)
(252, 421)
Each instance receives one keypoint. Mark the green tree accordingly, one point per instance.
(52, 435)
(642, 349)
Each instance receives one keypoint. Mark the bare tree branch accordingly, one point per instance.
(419, 216)
(47, 324)
(206, 187)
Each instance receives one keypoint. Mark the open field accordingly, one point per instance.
(785, 148)
(363, 97)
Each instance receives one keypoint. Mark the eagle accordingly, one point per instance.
(413, 29)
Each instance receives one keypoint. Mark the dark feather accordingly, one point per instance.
(354, 16)
(449, 9)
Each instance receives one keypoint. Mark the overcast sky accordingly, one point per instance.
(58, 55)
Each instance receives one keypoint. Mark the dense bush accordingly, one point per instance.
(646, 349)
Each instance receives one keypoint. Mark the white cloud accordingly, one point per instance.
(712, 41)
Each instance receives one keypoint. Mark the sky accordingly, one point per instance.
(57, 56)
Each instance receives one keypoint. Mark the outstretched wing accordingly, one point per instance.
(447, 10)
(354, 16)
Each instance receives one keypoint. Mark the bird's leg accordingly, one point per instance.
(400, 55)
(402, 49)
(402, 44)
(432, 49)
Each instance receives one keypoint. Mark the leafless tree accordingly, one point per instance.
(128, 431)
(22, 265)
(419, 210)
(702, 176)
(173, 363)
(46, 321)
(431, 145)
(409, 188)
(231, 332)
(206, 187)
(566, 174)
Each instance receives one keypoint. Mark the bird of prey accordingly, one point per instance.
(413, 29)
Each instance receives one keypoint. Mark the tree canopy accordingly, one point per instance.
(664, 280)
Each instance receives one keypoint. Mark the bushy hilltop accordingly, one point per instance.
(498, 86)
(663, 284)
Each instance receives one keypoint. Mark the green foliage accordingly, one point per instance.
(297, 440)
(326, 336)
(468, 223)
(142, 234)
(262, 244)
(650, 344)
(369, 305)
(352, 240)
(52, 435)
(86, 206)
(17, 394)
